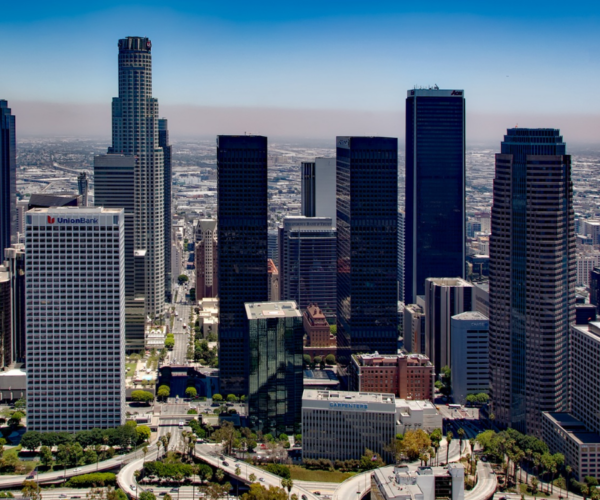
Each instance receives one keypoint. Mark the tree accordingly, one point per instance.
(307, 359)
(15, 419)
(396, 448)
(31, 440)
(143, 433)
(170, 341)
(371, 460)
(449, 436)
(461, 436)
(147, 495)
(142, 396)
(164, 391)
(436, 438)
(446, 388)
(46, 456)
(317, 360)
(415, 443)
(287, 484)
(232, 398)
(219, 475)
(20, 404)
(259, 492)
(252, 478)
(330, 359)
(226, 436)
(182, 278)
(217, 398)
(31, 490)
(191, 392)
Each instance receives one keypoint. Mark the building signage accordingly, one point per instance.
(348, 406)
(69, 220)
(343, 142)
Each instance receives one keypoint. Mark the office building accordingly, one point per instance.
(75, 318)
(273, 283)
(43, 200)
(595, 287)
(307, 262)
(444, 298)
(135, 134)
(426, 483)
(401, 229)
(114, 183)
(406, 376)
(272, 249)
(585, 263)
(8, 178)
(339, 425)
(6, 347)
(275, 366)
(317, 329)
(207, 261)
(470, 368)
(435, 188)
(242, 235)
(414, 329)
(318, 188)
(367, 249)
(83, 188)
(163, 142)
(15, 265)
(532, 278)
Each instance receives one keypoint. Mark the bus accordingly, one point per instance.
(454, 407)
(184, 326)
(181, 425)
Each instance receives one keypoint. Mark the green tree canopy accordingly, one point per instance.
(191, 392)
(142, 396)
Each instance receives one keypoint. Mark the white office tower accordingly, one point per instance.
(318, 188)
(75, 318)
(135, 133)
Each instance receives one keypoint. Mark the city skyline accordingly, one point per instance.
(198, 49)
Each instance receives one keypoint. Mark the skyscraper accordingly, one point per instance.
(206, 254)
(532, 277)
(15, 264)
(8, 178)
(307, 263)
(435, 188)
(318, 188)
(163, 142)
(75, 318)
(135, 133)
(275, 369)
(83, 188)
(114, 181)
(367, 247)
(308, 178)
(242, 235)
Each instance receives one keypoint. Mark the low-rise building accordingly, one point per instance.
(339, 425)
(426, 483)
(407, 376)
(470, 355)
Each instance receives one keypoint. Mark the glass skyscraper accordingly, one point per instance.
(307, 263)
(532, 278)
(242, 236)
(435, 188)
(367, 247)
(8, 178)
(163, 142)
(135, 133)
(275, 366)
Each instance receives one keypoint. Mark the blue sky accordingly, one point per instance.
(514, 60)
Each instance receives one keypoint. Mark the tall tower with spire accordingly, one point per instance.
(135, 133)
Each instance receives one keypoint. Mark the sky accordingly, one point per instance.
(310, 69)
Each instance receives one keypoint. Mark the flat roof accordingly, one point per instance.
(264, 310)
(352, 397)
(82, 210)
(471, 315)
(575, 428)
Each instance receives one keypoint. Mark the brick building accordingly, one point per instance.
(408, 376)
(319, 341)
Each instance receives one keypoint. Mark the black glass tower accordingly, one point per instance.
(8, 178)
(242, 235)
(275, 335)
(163, 142)
(532, 278)
(367, 247)
(435, 188)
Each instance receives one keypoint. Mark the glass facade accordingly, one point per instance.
(163, 142)
(435, 188)
(307, 270)
(8, 178)
(242, 236)
(367, 248)
(275, 368)
(532, 277)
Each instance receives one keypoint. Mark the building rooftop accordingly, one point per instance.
(450, 282)
(348, 397)
(376, 358)
(264, 310)
(574, 428)
(73, 210)
(471, 316)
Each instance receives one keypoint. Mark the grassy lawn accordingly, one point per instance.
(131, 369)
(302, 474)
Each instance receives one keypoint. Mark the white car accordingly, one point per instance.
(132, 486)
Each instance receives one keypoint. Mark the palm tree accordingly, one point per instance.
(287, 483)
(461, 436)
(449, 437)
(145, 451)
(219, 475)
(568, 471)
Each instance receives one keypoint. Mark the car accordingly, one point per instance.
(78, 469)
(132, 486)
(304, 497)
(318, 493)
(226, 464)
(222, 457)
(75, 497)
(174, 490)
(150, 490)
(62, 495)
(261, 479)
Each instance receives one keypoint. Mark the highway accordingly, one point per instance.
(486, 483)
